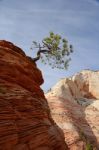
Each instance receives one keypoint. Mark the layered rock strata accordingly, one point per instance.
(25, 120)
(74, 104)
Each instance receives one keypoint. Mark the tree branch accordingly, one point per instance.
(39, 54)
(45, 44)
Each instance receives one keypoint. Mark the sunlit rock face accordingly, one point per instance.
(25, 120)
(74, 104)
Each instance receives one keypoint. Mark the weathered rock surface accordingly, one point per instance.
(25, 120)
(74, 104)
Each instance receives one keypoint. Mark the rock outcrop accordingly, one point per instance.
(25, 120)
(74, 104)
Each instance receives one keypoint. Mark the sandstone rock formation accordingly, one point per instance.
(74, 104)
(25, 120)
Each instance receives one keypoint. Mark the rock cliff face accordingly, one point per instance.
(25, 120)
(74, 104)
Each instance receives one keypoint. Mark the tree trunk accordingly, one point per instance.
(39, 54)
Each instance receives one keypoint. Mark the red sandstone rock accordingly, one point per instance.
(25, 120)
(74, 104)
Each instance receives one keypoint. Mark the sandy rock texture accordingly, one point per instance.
(25, 119)
(74, 104)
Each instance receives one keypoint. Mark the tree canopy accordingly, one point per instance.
(54, 51)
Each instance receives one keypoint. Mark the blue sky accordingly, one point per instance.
(22, 21)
